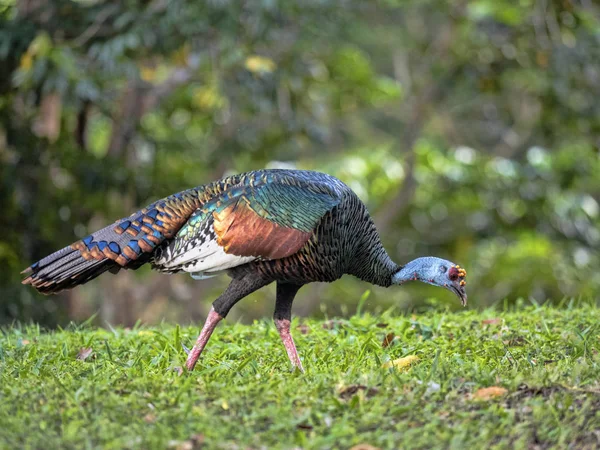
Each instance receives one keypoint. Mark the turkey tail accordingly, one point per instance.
(128, 243)
(76, 264)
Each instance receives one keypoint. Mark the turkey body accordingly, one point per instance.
(291, 227)
(343, 239)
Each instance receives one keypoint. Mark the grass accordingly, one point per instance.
(128, 393)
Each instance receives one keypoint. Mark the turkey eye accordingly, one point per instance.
(443, 269)
(453, 274)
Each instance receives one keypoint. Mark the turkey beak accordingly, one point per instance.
(459, 290)
(458, 275)
(463, 296)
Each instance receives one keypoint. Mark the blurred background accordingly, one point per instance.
(471, 129)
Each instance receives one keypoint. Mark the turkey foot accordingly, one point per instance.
(283, 326)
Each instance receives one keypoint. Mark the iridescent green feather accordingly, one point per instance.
(286, 200)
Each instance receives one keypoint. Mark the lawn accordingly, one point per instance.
(517, 378)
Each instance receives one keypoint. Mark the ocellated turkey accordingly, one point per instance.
(291, 227)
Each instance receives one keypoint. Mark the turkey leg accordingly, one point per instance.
(211, 322)
(237, 290)
(283, 317)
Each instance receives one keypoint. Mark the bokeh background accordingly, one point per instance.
(470, 128)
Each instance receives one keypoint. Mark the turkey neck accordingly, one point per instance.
(370, 261)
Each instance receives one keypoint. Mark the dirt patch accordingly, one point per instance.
(579, 395)
(349, 391)
(523, 392)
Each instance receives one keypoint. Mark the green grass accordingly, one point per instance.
(128, 393)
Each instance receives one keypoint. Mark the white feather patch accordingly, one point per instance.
(217, 261)
(209, 256)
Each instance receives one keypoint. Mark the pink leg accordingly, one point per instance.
(283, 326)
(211, 322)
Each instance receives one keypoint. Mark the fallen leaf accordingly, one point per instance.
(349, 391)
(303, 328)
(387, 340)
(494, 321)
(84, 353)
(364, 447)
(489, 393)
(150, 418)
(145, 333)
(24, 342)
(402, 363)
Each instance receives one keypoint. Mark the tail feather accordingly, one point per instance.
(128, 243)
(62, 263)
(64, 269)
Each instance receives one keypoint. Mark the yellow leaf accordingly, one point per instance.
(402, 363)
(41, 45)
(180, 56)
(208, 97)
(225, 405)
(489, 393)
(145, 333)
(260, 64)
(26, 61)
(147, 73)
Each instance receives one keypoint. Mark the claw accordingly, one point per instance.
(185, 349)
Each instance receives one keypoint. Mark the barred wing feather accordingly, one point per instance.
(268, 220)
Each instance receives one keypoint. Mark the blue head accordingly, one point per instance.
(434, 271)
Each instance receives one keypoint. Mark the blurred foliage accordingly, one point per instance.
(471, 129)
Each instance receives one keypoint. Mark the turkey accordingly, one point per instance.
(291, 227)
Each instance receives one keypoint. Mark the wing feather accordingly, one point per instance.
(262, 218)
